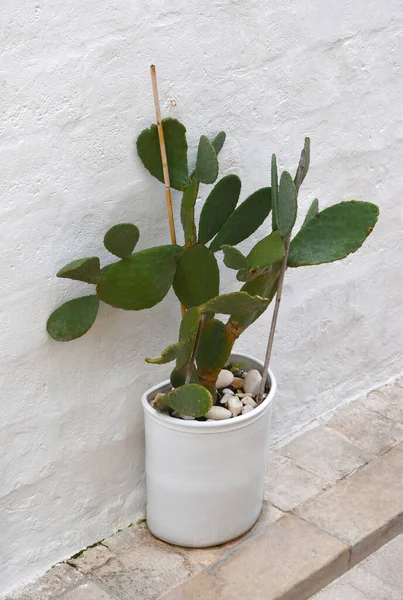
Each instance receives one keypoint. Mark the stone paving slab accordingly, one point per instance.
(379, 577)
(278, 564)
(334, 495)
(325, 453)
(364, 510)
(372, 432)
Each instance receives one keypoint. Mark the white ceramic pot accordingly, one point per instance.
(205, 480)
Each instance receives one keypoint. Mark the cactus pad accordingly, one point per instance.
(168, 355)
(333, 233)
(218, 141)
(233, 258)
(73, 318)
(244, 220)
(302, 171)
(206, 163)
(214, 348)
(240, 303)
(148, 149)
(190, 399)
(121, 239)
(285, 210)
(188, 211)
(219, 205)
(178, 376)
(274, 189)
(142, 280)
(83, 269)
(269, 250)
(197, 276)
(312, 211)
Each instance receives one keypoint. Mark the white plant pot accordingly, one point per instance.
(205, 480)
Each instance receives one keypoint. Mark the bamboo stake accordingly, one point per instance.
(163, 155)
(259, 398)
(164, 161)
(195, 347)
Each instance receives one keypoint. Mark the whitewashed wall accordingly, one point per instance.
(75, 92)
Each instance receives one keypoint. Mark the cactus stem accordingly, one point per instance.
(195, 347)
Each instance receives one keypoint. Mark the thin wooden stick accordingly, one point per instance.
(163, 155)
(195, 347)
(273, 322)
(164, 161)
(279, 291)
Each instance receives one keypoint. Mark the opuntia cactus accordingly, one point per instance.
(142, 279)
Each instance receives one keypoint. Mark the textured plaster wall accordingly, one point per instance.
(75, 92)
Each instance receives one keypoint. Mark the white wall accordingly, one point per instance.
(75, 92)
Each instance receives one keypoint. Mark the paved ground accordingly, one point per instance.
(379, 577)
(334, 495)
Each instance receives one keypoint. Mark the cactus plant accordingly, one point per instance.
(140, 280)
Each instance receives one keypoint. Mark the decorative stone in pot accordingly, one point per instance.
(205, 479)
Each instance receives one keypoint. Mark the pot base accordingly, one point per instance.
(212, 543)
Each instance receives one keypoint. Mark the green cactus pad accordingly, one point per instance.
(197, 276)
(333, 234)
(206, 163)
(240, 303)
(269, 250)
(302, 172)
(187, 333)
(264, 286)
(169, 354)
(312, 211)
(285, 210)
(274, 189)
(219, 205)
(218, 141)
(148, 149)
(189, 324)
(249, 274)
(142, 280)
(214, 348)
(188, 211)
(83, 269)
(73, 318)
(190, 399)
(178, 376)
(121, 239)
(244, 220)
(233, 258)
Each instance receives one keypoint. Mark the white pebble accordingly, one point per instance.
(247, 401)
(224, 379)
(228, 391)
(252, 381)
(235, 405)
(187, 417)
(225, 398)
(218, 413)
(246, 409)
(242, 395)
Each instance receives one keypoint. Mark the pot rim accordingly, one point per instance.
(189, 426)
